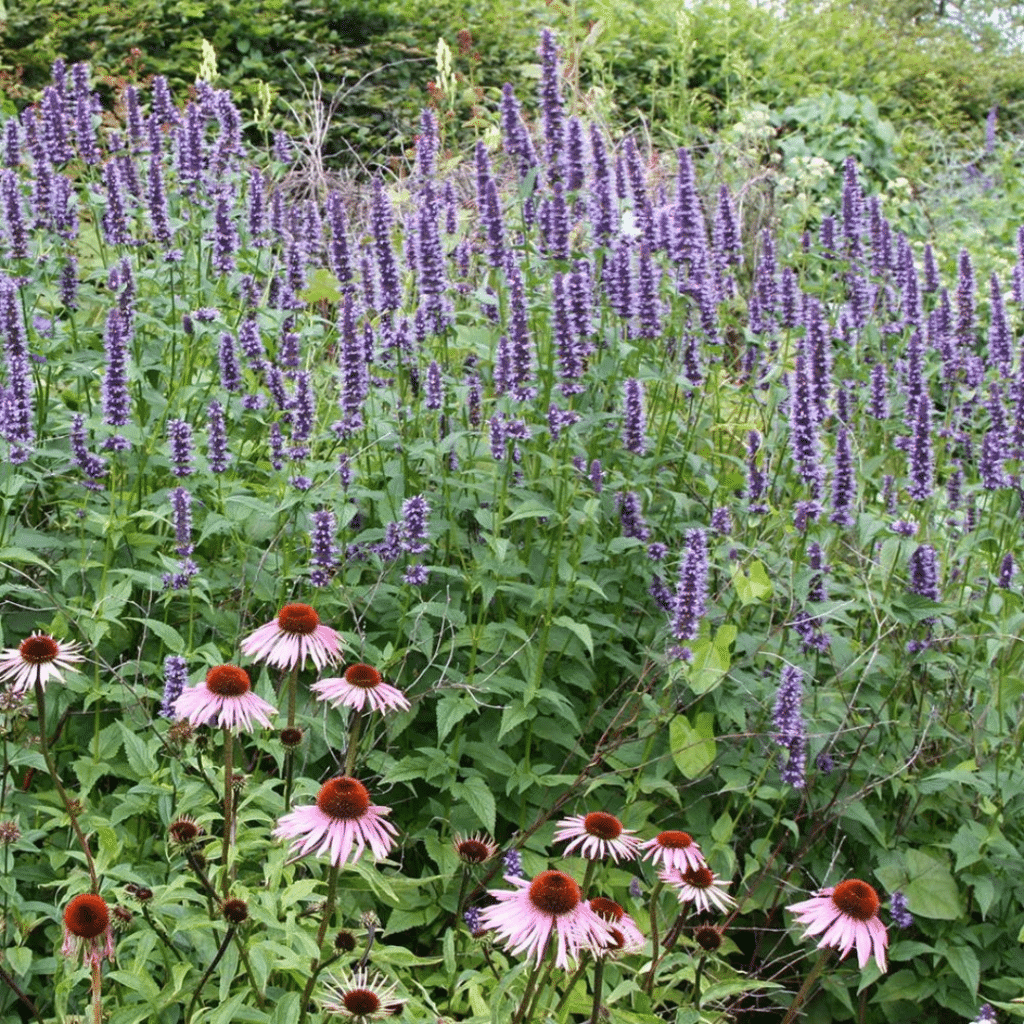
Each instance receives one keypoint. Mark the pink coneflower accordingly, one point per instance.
(699, 887)
(361, 687)
(361, 997)
(475, 849)
(674, 850)
(226, 693)
(293, 636)
(525, 917)
(597, 835)
(87, 930)
(37, 659)
(847, 915)
(624, 935)
(342, 821)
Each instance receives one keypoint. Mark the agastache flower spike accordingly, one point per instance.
(634, 421)
(175, 681)
(552, 112)
(692, 589)
(789, 726)
(180, 434)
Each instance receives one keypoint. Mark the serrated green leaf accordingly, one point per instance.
(480, 799)
(450, 710)
(931, 889)
(580, 629)
(964, 962)
(20, 959)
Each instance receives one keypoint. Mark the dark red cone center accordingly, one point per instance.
(86, 916)
(856, 899)
(38, 650)
(699, 879)
(473, 851)
(604, 826)
(366, 677)
(554, 893)
(228, 681)
(298, 618)
(343, 798)
(675, 840)
(606, 908)
(361, 1002)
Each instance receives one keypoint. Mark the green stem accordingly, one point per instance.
(229, 752)
(97, 996)
(805, 988)
(649, 981)
(317, 965)
(595, 1013)
(353, 741)
(519, 1015)
(209, 970)
(52, 769)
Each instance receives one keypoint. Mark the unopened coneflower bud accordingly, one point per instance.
(184, 832)
(121, 919)
(475, 849)
(371, 922)
(344, 941)
(142, 894)
(238, 781)
(708, 937)
(235, 911)
(180, 733)
(9, 832)
(291, 738)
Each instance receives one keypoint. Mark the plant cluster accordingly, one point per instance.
(352, 539)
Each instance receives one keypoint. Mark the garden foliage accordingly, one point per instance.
(650, 498)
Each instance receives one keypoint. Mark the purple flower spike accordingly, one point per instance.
(692, 588)
(552, 112)
(787, 718)
(1007, 569)
(324, 555)
(922, 459)
(924, 572)
(634, 428)
(631, 516)
(217, 439)
(175, 680)
(180, 434)
(843, 481)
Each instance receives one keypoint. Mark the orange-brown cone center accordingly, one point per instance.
(38, 650)
(856, 899)
(86, 916)
(554, 893)
(343, 798)
(366, 677)
(298, 618)
(361, 1002)
(604, 826)
(606, 908)
(699, 879)
(228, 681)
(675, 840)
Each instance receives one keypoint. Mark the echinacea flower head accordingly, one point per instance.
(624, 937)
(227, 693)
(700, 887)
(342, 823)
(361, 687)
(361, 997)
(673, 849)
(475, 849)
(289, 639)
(37, 659)
(597, 836)
(846, 916)
(87, 930)
(525, 917)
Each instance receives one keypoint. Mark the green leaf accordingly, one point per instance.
(451, 709)
(693, 746)
(581, 629)
(480, 799)
(752, 586)
(172, 639)
(931, 889)
(964, 962)
(19, 957)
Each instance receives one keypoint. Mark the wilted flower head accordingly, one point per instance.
(87, 930)
(624, 937)
(37, 659)
(289, 639)
(846, 916)
(184, 831)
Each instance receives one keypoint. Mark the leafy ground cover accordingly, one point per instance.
(381, 567)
